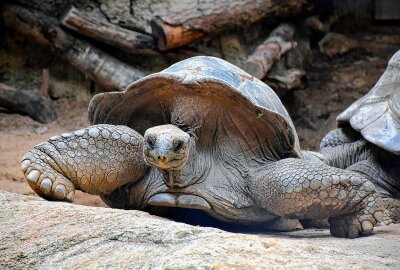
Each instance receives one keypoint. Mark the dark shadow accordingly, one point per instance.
(200, 218)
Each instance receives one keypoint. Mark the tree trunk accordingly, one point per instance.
(210, 17)
(38, 107)
(270, 51)
(102, 68)
(127, 40)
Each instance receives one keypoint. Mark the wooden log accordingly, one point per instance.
(37, 106)
(270, 51)
(102, 68)
(285, 80)
(210, 17)
(169, 36)
(45, 84)
(111, 34)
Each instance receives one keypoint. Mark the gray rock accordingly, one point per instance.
(36, 234)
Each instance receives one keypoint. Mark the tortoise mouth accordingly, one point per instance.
(180, 200)
(172, 163)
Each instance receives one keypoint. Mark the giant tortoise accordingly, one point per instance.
(367, 140)
(202, 134)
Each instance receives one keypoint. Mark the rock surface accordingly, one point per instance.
(36, 234)
(334, 43)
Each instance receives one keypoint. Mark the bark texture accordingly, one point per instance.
(94, 63)
(37, 106)
(210, 17)
(36, 234)
(90, 26)
(270, 51)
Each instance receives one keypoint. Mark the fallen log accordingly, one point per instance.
(270, 51)
(111, 34)
(283, 80)
(102, 68)
(37, 106)
(210, 17)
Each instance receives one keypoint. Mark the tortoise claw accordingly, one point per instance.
(362, 222)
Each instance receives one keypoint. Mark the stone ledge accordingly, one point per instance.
(37, 234)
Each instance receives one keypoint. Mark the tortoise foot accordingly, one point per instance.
(44, 180)
(368, 213)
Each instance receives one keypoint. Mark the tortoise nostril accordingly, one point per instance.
(161, 157)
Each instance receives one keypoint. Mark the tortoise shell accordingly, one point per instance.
(229, 111)
(377, 114)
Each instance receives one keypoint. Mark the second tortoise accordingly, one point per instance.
(367, 140)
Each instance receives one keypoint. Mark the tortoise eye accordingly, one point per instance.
(178, 145)
(151, 143)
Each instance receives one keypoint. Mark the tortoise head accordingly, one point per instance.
(166, 147)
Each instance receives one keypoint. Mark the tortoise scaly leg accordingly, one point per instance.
(392, 211)
(96, 160)
(338, 137)
(378, 166)
(295, 188)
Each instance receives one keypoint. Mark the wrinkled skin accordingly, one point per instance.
(290, 188)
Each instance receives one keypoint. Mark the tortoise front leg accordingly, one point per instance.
(96, 160)
(295, 188)
(339, 136)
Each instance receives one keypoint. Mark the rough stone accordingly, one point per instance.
(36, 234)
(334, 43)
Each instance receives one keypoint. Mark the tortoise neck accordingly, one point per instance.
(194, 171)
(172, 178)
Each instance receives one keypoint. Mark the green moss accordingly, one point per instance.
(260, 113)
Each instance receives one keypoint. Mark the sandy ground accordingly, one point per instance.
(19, 134)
